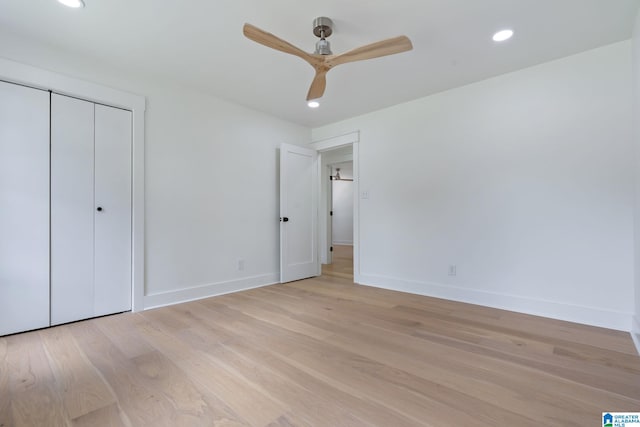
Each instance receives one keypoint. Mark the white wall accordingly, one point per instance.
(523, 181)
(209, 163)
(636, 122)
(207, 172)
(343, 205)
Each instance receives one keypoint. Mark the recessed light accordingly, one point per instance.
(72, 3)
(503, 35)
(313, 104)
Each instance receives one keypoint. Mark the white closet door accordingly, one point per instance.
(113, 221)
(72, 209)
(24, 208)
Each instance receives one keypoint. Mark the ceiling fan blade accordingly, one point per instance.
(373, 50)
(267, 39)
(318, 85)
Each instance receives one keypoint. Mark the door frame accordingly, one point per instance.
(328, 253)
(27, 75)
(324, 145)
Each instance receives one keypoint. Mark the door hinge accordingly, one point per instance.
(331, 249)
(330, 213)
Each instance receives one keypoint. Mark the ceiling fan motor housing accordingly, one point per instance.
(323, 27)
(323, 47)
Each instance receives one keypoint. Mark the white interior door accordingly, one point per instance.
(298, 213)
(112, 276)
(72, 209)
(24, 208)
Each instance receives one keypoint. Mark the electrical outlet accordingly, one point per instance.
(240, 264)
(453, 270)
(364, 194)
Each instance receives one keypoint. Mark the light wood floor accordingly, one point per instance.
(342, 265)
(319, 352)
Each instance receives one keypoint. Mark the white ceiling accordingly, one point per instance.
(200, 42)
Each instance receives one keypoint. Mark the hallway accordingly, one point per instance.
(342, 265)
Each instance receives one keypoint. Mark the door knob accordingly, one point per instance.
(99, 209)
(284, 219)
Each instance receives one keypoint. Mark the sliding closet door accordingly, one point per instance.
(72, 209)
(113, 214)
(24, 208)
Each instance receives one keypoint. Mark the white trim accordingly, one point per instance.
(343, 243)
(635, 332)
(48, 80)
(209, 290)
(28, 75)
(336, 141)
(573, 313)
(324, 171)
(339, 159)
(325, 220)
(352, 138)
(356, 211)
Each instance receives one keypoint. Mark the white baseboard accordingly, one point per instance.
(209, 290)
(635, 332)
(555, 310)
(343, 242)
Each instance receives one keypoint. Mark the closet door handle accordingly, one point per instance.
(99, 209)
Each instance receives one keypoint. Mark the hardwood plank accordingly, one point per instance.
(195, 365)
(107, 416)
(142, 405)
(362, 408)
(257, 407)
(306, 408)
(542, 398)
(121, 333)
(414, 396)
(35, 395)
(340, 294)
(253, 309)
(622, 360)
(191, 406)
(286, 421)
(553, 328)
(151, 390)
(38, 406)
(83, 389)
(6, 419)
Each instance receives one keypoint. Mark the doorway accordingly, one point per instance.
(341, 218)
(332, 150)
(338, 188)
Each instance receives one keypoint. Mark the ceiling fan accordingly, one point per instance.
(337, 177)
(322, 60)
